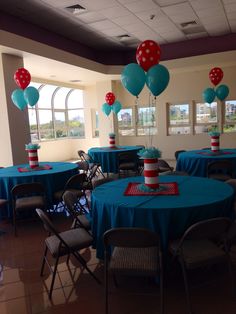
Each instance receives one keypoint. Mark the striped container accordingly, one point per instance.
(151, 173)
(33, 158)
(112, 140)
(215, 143)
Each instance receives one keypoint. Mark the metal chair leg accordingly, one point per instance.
(189, 305)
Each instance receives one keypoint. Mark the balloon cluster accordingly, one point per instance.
(111, 104)
(24, 95)
(133, 76)
(221, 92)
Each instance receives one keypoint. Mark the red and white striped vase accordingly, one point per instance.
(33, 158)
(215, 143)
(151, 173)
(112, 140)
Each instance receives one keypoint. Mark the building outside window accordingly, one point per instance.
(146, 121)
(178, 119)
(59, 113)
(126, 123)
(229, 116)
(206, 117)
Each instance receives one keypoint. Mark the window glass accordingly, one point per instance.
(45, 124)
(59, 100)
(75, 99)
(206, 113)
(33, 124)
(147, 121)
(230, 111)
(60, 124)
(76, 123)
(45, 98)
(179, 114)
(125, 122)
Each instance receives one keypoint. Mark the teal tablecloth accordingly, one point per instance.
(53, 179)
(198, 199)
(108, 158)
(195, 161)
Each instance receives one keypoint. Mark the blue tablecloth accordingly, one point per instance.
(53, 179)
(170, 215)
(195, 161)
(108, 158)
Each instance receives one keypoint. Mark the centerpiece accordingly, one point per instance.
(150, 157)
(32, 150)
(112, 140)
(215, 141)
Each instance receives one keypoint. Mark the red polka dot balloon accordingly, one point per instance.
(22, 78)
(110, 98)
(216, 75)
(148, 54)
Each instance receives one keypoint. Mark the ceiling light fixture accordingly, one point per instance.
(76, 8)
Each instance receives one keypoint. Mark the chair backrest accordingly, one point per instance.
(128, 156)
(70, 200)
(232, 182)
(164, 164)
(48, 225)
(76, 181)
(27, 189)
(130, 237)
(220, 166)
(84, 156)
(83, 165)
(93, 172)
(179, 152)
(207, 229)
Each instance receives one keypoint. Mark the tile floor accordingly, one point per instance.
(23, 291)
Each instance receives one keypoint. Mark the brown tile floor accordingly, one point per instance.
(23, 291)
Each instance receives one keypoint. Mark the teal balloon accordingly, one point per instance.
(133, 78)
(31, 95)
(116, 107)
(208, 95)
(222, 92)
(106, 109)
(18, 99)
(157, 79)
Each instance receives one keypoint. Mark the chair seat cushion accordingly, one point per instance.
(135, 260)
(30, 202)
(84, 222)
(76, 239)
(197, 253)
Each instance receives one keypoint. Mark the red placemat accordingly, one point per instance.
(209, 153)
(27, 169)
(166, 188)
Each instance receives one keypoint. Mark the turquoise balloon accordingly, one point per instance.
(106, 109)
(18, 99)
(157, 79)
(208, 95)
(31, 95)
(133, 78)
(222, 92)
(116, 107)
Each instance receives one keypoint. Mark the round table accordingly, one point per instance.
(169, 215)
(108, 157)
(195, 162)
(52, 179)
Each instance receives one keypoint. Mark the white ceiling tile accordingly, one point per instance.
(231, 15)
(210, 12)
(96, 5)
(126, 1)
(126, 20)
(139, 6)
(197, 35)
(90, 17)
(114, 12)
(183, 8)
(135, 27)
(147, 14)
(204, 4)
(230, 8)
(101, 25)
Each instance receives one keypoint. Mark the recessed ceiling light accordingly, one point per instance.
(75, 81)
(75, 9)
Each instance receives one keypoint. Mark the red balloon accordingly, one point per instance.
(148, 54)
(110, 98)
(22, 78)
(216, 75)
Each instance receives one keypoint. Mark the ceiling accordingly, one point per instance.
(120, 25)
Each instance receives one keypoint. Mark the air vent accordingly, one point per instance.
(76, 9)
(123, 37)
(190, 23)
